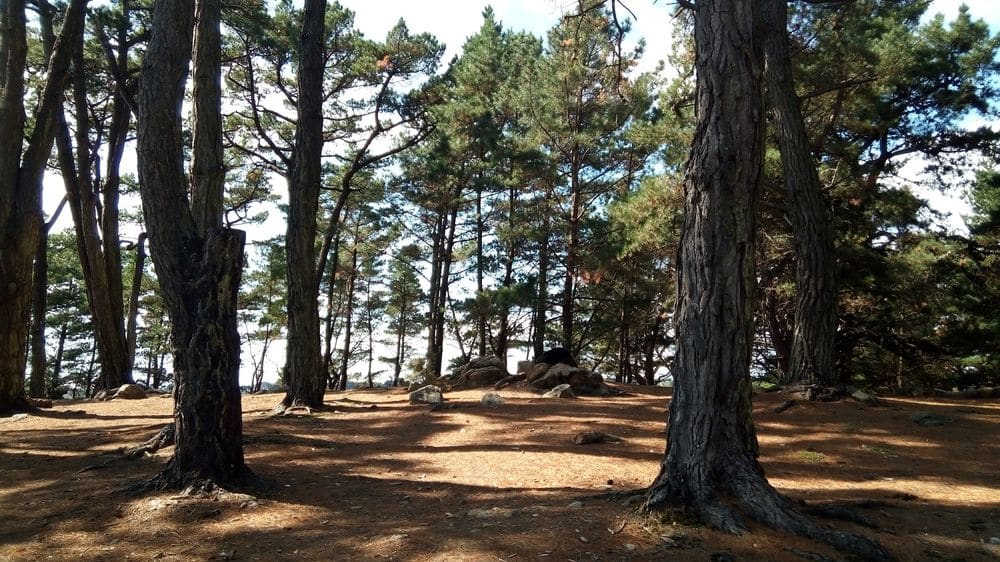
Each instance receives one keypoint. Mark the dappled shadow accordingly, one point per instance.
(475, 482)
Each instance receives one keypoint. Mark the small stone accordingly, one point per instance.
(575, 505)
(629, 546)
(491, 399)
(994, 540)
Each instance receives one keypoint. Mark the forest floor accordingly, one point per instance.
(375, 477)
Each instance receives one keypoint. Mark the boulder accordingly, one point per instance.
(429, 394)
(481, 371)
(524, 367)
(130, 392)
(485, 376)
(537, 372)
(560, 391)
(865, 398)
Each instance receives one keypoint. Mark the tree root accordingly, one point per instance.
(510, 380)
(746, 492)
(165, 438)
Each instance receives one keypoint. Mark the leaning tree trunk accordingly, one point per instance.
(710, 466)
(815, 291)
(198, 264)
(303, 373)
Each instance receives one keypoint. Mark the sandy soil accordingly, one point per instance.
(377, 478)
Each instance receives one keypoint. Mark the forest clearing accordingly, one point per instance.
(376, 478)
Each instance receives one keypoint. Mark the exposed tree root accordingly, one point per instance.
(284, 408)
(749, 494)
(164, 438)
(818, 393)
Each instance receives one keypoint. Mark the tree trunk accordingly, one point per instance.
(815, 324)
(36, 384)
(303, 373)
(481, 307)
(572, 243)
(198, 268)
(132, 329)
(710, 465)
(21, 182)
(542, 292)
(349, 316)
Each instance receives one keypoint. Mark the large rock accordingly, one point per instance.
(481, 371)
(130, 392)
(557, 355)
(524, 367)
(429, 394)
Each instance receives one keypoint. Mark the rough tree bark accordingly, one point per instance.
(710, 466)
(303, 373)
(21, 182)
(198, 265)
(815, 323)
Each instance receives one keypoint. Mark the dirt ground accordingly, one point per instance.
(377, 478)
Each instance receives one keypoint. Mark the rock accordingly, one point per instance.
(575, 505)
(481, 371)
(994, 540)
(491, 399)
(537, 372)
(481, 362)
(524, 367)
(547, 381)
(130, 392)
(928, 419)
(562, 371)
(865, 398)
(560, 391)
(557, 355)
(484, 376)
(587, 383)
(414, 385)
(102, 395)
(429, 394)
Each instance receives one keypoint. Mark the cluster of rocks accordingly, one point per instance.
(565, 380)
(555, 373)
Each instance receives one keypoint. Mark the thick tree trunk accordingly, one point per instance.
(21, 183)
(815, 324)
(207, 411)
(198, 268)
(710, 465)
(303, 373)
